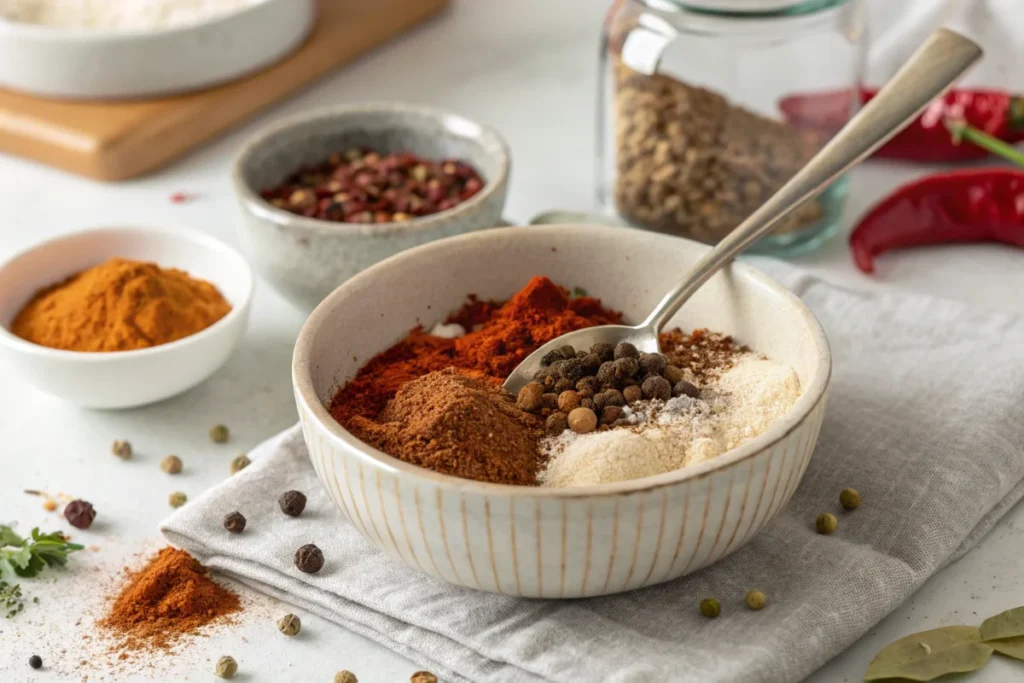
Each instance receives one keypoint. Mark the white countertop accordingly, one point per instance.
(528, 68)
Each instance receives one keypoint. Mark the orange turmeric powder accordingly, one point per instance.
(120, 305)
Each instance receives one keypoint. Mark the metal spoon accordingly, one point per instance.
(931, 70)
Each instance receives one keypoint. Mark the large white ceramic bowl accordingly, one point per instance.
(117, 64)
(557, 543)
(124, 379)
(305, 258)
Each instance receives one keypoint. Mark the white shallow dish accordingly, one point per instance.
(124, 379)
(557, 543)
(120, 64)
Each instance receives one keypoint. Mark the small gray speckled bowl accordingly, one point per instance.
(305, 258)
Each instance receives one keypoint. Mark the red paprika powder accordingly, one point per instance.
(499, 336)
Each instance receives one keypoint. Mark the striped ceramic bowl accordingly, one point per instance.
(557, 543)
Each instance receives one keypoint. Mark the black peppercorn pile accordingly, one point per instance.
(363, 186)
(586, 390)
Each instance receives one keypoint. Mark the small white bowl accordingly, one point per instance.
(118, 64)
(124, 379)
(546, 542)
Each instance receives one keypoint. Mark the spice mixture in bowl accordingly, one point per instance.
(324, 195)
(614, 470)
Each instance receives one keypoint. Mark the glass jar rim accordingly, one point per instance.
(760, 9)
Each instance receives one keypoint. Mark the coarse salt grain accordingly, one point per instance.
(449, 331)
(665, 436)
(117, 14)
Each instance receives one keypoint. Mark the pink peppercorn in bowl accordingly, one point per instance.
(306, 236)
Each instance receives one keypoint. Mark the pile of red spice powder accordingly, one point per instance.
(171, 596)
(500, 335)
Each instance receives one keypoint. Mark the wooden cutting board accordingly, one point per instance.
(119, 140)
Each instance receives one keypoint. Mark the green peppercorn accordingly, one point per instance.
(756, 599)
(226, 667)
(122, 449)
(171, 464)
(219, 434)
(826, 523)
(239, 463)
(710, 608)
(849, 499)
(177, 499)
(289, 625)
(345, 677)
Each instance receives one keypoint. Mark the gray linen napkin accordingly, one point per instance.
(925, 420)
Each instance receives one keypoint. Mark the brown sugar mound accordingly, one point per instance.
(170, 597)
(120, 305)
(459, 425)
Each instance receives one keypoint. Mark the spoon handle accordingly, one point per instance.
(943, 58)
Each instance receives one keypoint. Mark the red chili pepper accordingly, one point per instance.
(997, 113)
(971, 205)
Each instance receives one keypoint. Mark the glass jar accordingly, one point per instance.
(702, 111)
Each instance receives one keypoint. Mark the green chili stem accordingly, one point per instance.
(964, 131)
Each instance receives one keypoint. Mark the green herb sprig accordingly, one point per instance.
(26, 557)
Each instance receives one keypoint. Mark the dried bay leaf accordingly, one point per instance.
(1008, 624)
(927, 655)
(1011, 647)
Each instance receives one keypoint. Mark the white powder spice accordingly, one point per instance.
(662, 437)
(762, 392)
(117, 14)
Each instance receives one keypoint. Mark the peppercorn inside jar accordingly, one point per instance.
(691, 138)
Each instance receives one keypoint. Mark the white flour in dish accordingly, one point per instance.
(117, 14)
(664, 436)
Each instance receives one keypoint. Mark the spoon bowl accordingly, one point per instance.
(581, 340)
(929, 72)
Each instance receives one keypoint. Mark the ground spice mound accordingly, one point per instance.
(171, 596)
(120, 305)
(702, 353)
(456, 424)
(500, 335)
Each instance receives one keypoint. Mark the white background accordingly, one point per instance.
(526, 67)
